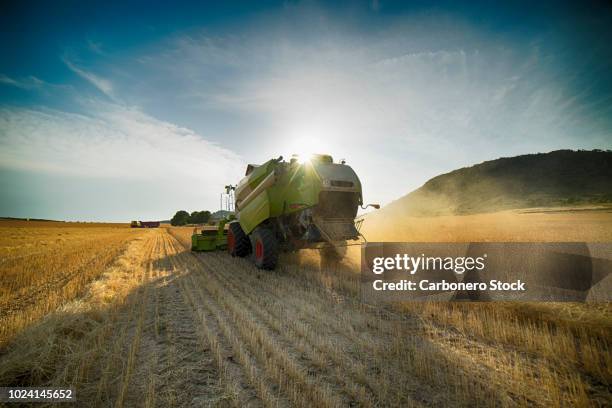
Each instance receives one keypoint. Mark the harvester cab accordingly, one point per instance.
(292, 205)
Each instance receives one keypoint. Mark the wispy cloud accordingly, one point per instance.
(155, 165)
(401, 98)
(30, 82)
(110, 141)
(103, 85)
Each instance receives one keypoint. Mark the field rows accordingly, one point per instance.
(368, 356)
(166, 327)
(43, 267)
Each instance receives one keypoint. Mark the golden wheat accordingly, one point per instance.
(46, 264)
(165, 327)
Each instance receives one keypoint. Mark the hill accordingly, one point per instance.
(558, 178)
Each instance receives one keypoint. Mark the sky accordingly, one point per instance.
(134, 110)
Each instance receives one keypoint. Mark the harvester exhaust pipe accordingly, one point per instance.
(375, 206)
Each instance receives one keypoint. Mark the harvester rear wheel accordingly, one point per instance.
(238, 243)
(265, 248)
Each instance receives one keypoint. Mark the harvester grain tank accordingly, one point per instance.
(293, 205)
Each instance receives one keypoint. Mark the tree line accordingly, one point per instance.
(182, 217)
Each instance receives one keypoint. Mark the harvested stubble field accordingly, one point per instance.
(44, 264)
(165, 327)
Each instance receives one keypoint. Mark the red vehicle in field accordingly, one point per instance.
(144, 224)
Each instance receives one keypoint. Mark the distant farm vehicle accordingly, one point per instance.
(210, 237)
(144, 224)
(284, 206)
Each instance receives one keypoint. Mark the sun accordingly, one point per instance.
(302, 156)
(305, 148)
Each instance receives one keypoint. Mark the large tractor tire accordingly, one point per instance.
(265, 248)
(238, 243)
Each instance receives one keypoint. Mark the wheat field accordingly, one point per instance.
(45, 264)
(161, 326)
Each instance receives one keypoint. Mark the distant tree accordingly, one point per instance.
(205, 216)
(199, 217)
(180, 218)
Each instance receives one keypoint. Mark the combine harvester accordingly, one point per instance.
(285, 206)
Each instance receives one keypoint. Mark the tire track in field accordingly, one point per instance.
(361, 355)
(344, 352)
(377, 339)
(168, 362)
(370, 355)
(311, 350)
(371, 344)
(323, 357)
(334, 380)
(280, 380)
(376, 343)
(303, 367)
(238, 365)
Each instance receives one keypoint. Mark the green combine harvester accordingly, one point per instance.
(285, 206)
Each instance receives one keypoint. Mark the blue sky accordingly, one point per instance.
(136, 110)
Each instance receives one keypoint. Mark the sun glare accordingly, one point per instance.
(305, 148)
(302, 156)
